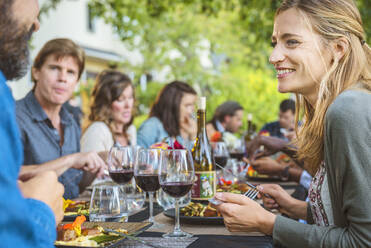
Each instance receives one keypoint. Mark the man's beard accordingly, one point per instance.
(14, 51)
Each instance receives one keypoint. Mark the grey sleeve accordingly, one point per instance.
(309, 215)
(348, 163)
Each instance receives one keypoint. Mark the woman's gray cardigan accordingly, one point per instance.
(347, 154)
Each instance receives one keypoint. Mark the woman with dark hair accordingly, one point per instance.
(111, 113)
(170, 116)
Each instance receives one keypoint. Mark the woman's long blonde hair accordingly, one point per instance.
(331, 19)
(108, 88)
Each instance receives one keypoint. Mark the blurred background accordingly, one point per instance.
(219, 47)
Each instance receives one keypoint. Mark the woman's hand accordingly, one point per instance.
(242, 214)
(282, 201)
(188, 127)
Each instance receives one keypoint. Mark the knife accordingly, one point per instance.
(130, 237)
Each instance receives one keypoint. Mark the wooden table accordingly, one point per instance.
(208, 235)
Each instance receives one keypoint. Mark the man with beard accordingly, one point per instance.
(29, 209)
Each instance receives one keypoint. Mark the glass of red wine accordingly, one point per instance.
(146, 174)
(120, 164)
(221, 153)
(176, 175)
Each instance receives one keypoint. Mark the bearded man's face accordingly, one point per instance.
(14, 37)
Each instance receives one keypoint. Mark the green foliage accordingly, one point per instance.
(171, 35)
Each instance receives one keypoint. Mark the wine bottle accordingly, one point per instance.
(250, 134)
(204, 187)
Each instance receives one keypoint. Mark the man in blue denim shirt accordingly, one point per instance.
(28, 211)
(50, 136)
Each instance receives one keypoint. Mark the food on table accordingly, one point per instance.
(202, 210)
(199, 209)
(75, 234)
(75, 207)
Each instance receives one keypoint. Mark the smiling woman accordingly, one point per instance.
(320, 55)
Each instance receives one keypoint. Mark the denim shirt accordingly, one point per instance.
(152, 131)
(41, 141)
(23, 222)
(274, 130)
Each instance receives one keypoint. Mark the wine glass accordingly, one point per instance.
(176, 176)
(108, 203)
(146, 174)
(220, 152)
(168, 202)
(120, 164)
(136, 197)
(238, 150)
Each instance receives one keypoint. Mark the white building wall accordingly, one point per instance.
(70, 20)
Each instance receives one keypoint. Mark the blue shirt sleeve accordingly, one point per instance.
(151, 132)
(23, 222)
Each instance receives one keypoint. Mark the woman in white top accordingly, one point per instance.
(111, 113)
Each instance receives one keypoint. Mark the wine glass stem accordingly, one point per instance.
(177, 225)
(150, 207)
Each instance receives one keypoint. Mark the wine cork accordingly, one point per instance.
(249, 116)
(202, 103)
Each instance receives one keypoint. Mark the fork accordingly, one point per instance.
(251, 193)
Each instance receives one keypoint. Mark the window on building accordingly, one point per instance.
(91, 20)
(91, 75)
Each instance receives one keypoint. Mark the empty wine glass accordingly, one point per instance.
(176, 176)
(146, 174)
(135, 197)
(108, 203)
(120, 164)
(220, 152)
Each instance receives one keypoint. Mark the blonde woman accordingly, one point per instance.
(320, 54)
(111, 113)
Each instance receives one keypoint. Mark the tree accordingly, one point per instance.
(170, 35)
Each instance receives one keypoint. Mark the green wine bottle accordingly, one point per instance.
(204, 187)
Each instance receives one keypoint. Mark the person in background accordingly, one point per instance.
(50, 135)
(111, 113)
(320, 54)
(30, 209)
(286, 121)
(170, 116)
(227, 118)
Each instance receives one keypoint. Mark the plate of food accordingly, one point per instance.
(91, 234)
(205, 213)
(72, 209)
(197, 213)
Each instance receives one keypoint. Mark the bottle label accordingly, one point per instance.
(205, 186)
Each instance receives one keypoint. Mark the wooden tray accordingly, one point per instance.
(133, 228)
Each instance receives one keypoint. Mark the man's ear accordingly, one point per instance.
(339, 46)
(227, 118)
(35, 73)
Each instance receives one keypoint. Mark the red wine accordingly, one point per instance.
(148, 183)
(176, 189)
(121, 176)
(221, 160)
(237, 155)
